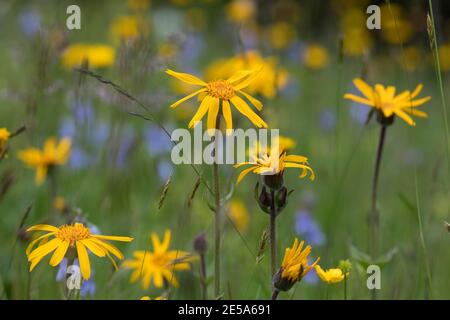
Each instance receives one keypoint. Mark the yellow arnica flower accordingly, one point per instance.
(4, 137)
(294, 266)
(221, 94)
(271, 76)
(333, 275)
(53, 154)
(95, 55)
(384, 100)
(160, 264)
(74, 237)
(275, 163)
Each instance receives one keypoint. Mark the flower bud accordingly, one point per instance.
(281, 199)
(200, 243)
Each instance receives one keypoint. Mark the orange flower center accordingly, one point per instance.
(73, 233)
(220, 89)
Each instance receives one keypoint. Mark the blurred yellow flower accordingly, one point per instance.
(126, 28)
(59, 203)
(157, 298)
(444, 57)
(239, 11)
(384, 100)
(138, 5)
(395, 28)
(281, 35)
(294, 266)
(315, 57)
(160, 264)
(238, 214)
(411, 58)
(356, 37)
(4, 137)
(96, 55)
(356, 41)
(73, 239)
(331, 275)
(221, 94)
(51, 155)
(270, 79)
(274, 163)
(167, 50)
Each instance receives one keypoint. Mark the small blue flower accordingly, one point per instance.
(30, 22)
(327, 120)
(165, 169)
(157, 141)
(309, 229)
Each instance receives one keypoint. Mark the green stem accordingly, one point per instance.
(374, 215)
(204, 288)
(273, 236)
(345, 287)
(217, 216)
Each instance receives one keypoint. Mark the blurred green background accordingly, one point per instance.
(120, 163)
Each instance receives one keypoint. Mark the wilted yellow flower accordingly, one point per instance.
(160, 264)
(384, 100)
(4, 137)
(281, 35)
(294, 266)
(444, 57)
(74, 240)
(96, 55)
(221, 94)
(271, 77)
(239, 11)
(138, 5)
(331, 275)
(271, 163)
(125, 28)
(51, 155)
(238, 214)
(315, 57)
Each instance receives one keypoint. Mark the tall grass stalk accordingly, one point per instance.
(434, 47)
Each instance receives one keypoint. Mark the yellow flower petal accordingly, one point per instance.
(185, 77)
(83, 258)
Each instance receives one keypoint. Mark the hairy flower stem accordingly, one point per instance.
(273, 235)
(217, 214)
(204, 288)
(275, 293)
(374, 215)
(52, 192)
